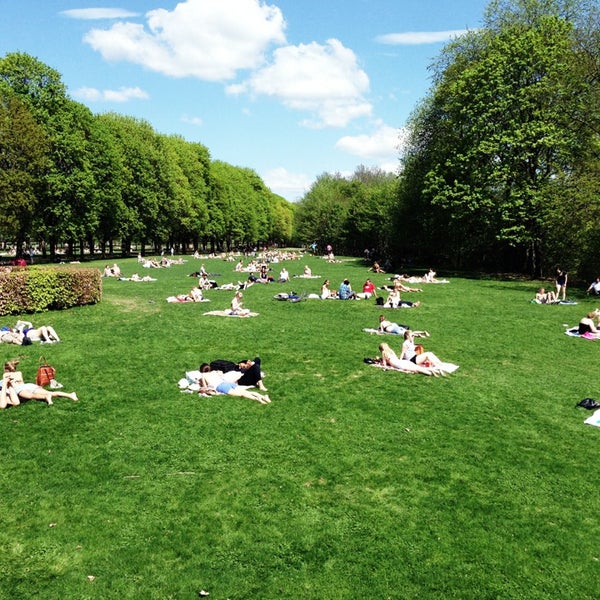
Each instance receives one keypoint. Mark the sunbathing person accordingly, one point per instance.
(546, 297)
(390, 359)
(250, 370)
(394, 300)
(386, 326)
(213, 381)
(326, 292)
(237, 306)
(368, 290)
(14, 388)
(44, 334)
(587, 324)
(9, 336)
(409, 352)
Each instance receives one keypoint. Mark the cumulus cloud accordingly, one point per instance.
(322, 79)
(412, 38)
(123, 94)
(383, 146)
(90, 14)
(208, 39)
(291, 186)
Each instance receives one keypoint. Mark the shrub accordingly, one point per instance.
(40, 289)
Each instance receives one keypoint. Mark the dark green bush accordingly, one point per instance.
(39, 289)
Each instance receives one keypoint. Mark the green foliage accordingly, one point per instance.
(23, 160)
(99, 178)
(501, 139)
(38, 289)
(350, 213)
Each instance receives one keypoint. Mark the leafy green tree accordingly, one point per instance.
(23, 161)
(192, 188)
(322, 214)
(508, 118)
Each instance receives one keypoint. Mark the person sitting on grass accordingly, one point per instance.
(418, 355)
(546, 297)
(14, 388)
(368, 290)
(390, 359)
(213, 382)
(594, 288)
(587, 324)
(394, 300)
(345, 291)
(237, 306)
(326, 292)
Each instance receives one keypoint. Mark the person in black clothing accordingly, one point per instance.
(250, 369)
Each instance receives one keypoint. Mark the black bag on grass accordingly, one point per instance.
(588, 403)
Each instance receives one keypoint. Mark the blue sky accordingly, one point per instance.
(289, 88)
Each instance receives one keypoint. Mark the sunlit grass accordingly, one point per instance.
(354, 482)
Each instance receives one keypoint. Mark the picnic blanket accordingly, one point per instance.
(226, 313)
(445, 366)
(565, 302)
(574, 332)
(594, 419)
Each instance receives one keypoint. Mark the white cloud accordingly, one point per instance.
(98, 13)
(123, 94)
(207, 39)
(197, 121)
(412, 38)
(323, 79)
(383, 143)
(291, 186)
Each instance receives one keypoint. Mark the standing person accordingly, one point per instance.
(561, 283)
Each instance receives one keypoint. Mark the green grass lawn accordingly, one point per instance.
(354, 482)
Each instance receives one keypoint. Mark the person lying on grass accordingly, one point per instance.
(212, 382)
(390, 359)
(386, 326)
(14, 388)
(44, 334)
(250, 369)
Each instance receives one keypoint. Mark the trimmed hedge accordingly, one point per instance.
(32, 289)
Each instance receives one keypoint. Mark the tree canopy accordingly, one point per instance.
(69, 177)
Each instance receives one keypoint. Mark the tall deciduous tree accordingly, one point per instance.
(503, 132)
(23, 161)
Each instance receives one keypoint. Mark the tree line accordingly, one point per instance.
(502, 168)
(72, 178)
